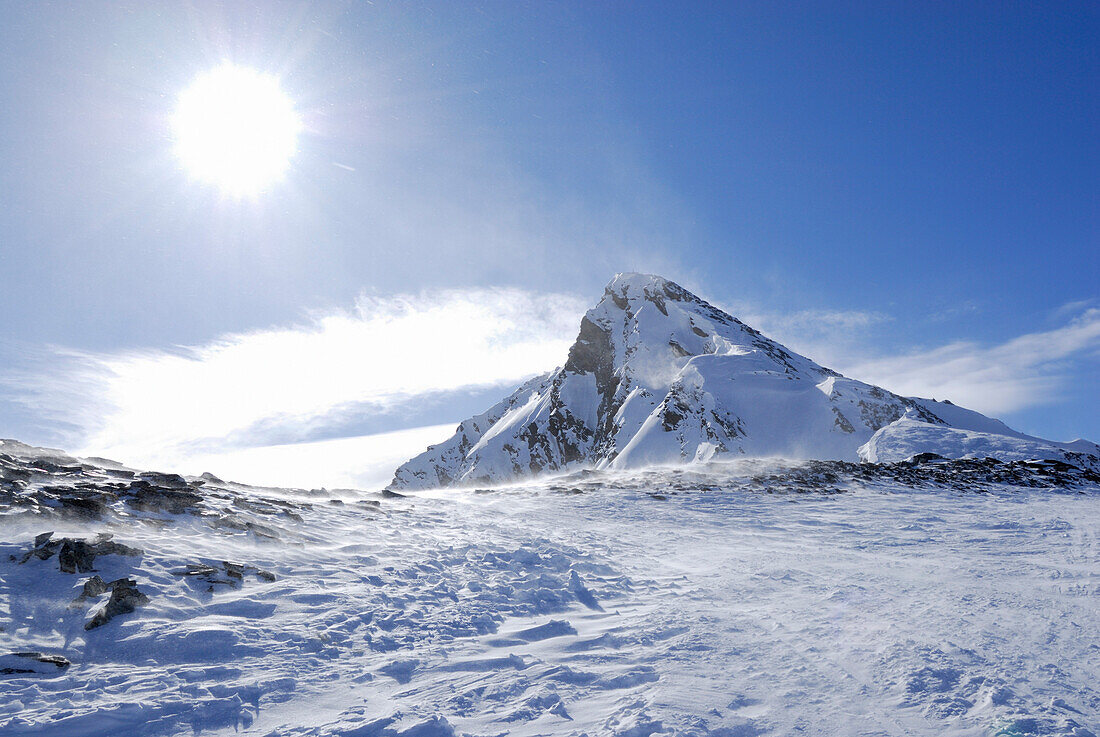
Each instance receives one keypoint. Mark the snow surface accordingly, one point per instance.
(658, 376)
(684, 601)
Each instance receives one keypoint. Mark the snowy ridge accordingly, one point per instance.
(659, 376)
(905, 438)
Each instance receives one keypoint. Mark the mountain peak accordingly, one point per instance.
(635, 283)
(629, 286)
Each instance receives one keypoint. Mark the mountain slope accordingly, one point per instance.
(659, 376)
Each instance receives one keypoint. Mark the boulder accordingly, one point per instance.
(76, 556)
(125, 598)
(147, 497)
(93, 587)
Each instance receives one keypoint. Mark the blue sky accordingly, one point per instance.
(905, 192)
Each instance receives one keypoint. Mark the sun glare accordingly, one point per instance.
(235, 128)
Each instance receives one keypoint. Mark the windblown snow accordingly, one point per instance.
(928, 597)
(659, 376)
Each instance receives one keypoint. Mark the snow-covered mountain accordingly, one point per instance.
(658, 376)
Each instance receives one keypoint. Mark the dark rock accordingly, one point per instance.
(164, 480)
(196, 569)
(12, 664)
(234, 573)
(925, 458)
(47, 551)
(842, 422)
(678, 349)
(84, 506)
(109, 547)
(262, 530)
(56, 660)
(226, 521)
(145, 497)
(50, 467)
(12, 470)
(213, 576)
(94, 586)
(125, 598)
(257, 506)
(76, 556)
(43, 549)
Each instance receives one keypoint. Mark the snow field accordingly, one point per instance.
(651, 603)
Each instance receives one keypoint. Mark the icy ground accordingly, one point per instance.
(945, 598)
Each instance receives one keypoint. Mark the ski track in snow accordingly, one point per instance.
(601, 606)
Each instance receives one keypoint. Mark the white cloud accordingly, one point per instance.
(1023, 372)
(154, 407)
(364, 462)
(1070, 309)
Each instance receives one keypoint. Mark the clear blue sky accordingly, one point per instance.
(932, 167)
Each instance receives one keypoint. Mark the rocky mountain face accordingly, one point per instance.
(659, 376)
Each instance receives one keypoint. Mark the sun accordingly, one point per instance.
(235, 128)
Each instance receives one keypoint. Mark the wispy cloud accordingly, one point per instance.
(151, 407)
(828, 336)
(1070, 309)
(1023, 372)
(815, 324)
(360, 462)
(1027, 371)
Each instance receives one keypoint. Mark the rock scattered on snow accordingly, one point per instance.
(84, 491)
(145, 496)
(93, 588)
(228, 574)
(26, 663)
(75, 555)
(125, 598)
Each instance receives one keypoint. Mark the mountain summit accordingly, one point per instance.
(657, 376)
